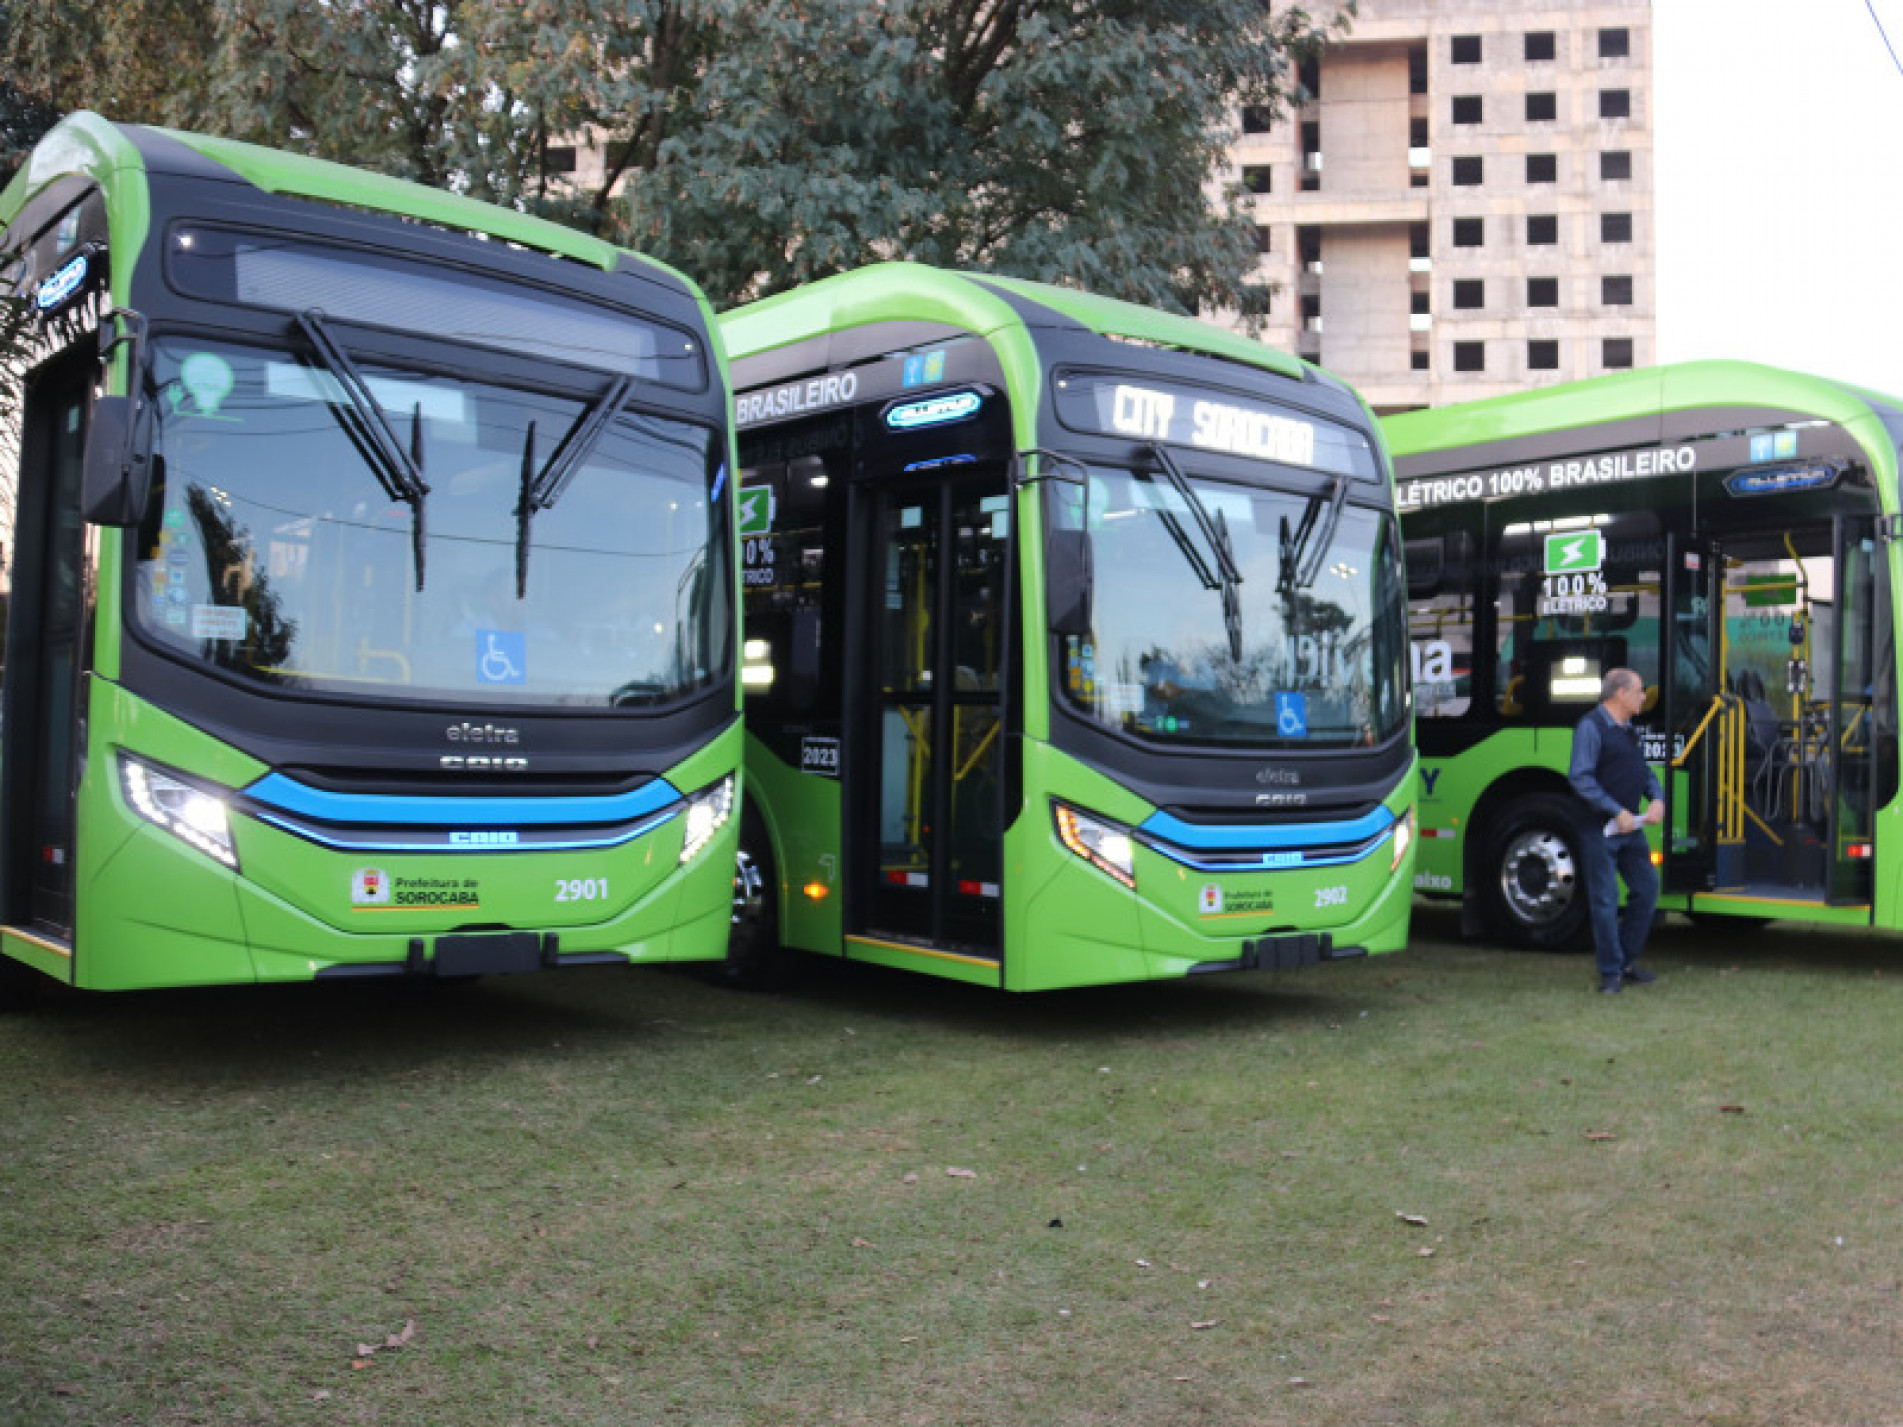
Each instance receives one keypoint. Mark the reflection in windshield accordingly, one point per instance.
(1318, 665)
(273, 548)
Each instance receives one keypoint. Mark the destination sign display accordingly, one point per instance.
(1539, 477)
(1181, 415)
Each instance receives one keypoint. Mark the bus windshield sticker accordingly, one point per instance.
(924, 368)
(207, 380)
(216, 621)
(756, 510)
(1575, 582)
(502, 656)
(1291, 715)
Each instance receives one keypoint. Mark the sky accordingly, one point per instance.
(1778, 127)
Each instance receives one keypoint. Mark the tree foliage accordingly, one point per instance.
(756, 144)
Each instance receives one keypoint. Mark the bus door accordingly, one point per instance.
(1695, 721)
(933, 852)
(45, 647)
(1859, 756)
(1780, 758)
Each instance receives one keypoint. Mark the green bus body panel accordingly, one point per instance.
(1080, 920)
(159, 913)
(85, 144)
(803, 821)
(1453, 787)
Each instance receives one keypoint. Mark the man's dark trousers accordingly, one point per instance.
(1618, 937)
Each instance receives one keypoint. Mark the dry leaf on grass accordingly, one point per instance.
(957, 1173)
(1417, 1220)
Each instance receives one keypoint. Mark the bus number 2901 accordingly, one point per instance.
(582, 889)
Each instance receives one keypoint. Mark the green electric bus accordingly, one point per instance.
(1726, 530)
(370, 589)
(1074, 641)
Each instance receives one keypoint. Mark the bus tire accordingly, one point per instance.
(1534, 880)
(755, 959)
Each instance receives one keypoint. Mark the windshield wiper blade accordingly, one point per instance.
(1216, 531)
(1225, 562)
(541, 491)
(398, 471)
(1322, 537)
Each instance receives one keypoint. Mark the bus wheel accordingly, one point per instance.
(755, 959)
(1535, 880)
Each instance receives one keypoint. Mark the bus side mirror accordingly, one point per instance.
(114, 471)
(1068, 577)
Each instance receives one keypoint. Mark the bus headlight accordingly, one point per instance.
(1104, 845)
(707, 813)
(1403, 838)
(191, 813)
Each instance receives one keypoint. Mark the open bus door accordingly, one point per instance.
(1696, 722)
(1862, 709)
(925, 812)
(1777, 769)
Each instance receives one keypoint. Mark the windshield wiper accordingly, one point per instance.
(1303, 553)
(540, 491)
(398, 471)
(1216, 532)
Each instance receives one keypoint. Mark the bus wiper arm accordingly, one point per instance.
(1321, 539)
(398, 471)
(1216, 532)
(542, 490)
(1225, 561)
(1190, 553)
(1302, 552)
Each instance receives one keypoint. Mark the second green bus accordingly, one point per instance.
(1075, 646)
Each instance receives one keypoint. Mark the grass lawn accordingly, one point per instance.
(1446, 1187)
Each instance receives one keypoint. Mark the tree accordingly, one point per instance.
(756, 144)
(1077, 141)
(24, 117)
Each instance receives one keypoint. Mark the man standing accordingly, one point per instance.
(1610, 772)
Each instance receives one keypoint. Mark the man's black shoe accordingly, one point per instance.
(1639, 976)
(1610, 985)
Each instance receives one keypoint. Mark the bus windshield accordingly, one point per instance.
(286, 546)
(1307, 650)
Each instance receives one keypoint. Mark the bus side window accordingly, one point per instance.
(1440, 616)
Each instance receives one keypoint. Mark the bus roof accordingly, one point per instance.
(978, 303)
(1623, 396)
(84, 143)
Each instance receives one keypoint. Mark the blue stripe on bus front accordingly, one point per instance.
(274, 790)
(1251, 837)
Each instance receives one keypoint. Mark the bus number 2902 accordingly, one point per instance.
(1331, 896)
(582, 889)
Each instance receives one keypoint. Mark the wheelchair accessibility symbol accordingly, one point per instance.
(1291, 715)
(502, 656)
